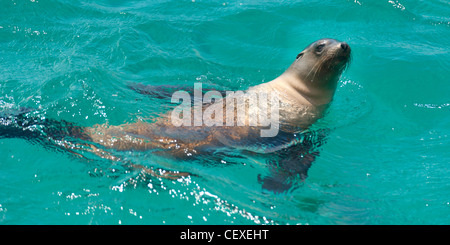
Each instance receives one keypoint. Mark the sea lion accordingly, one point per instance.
(304, 90)
(303, 93)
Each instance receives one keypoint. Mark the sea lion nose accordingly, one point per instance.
(344, 46)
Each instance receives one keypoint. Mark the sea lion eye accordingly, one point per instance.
(319, 48)
(299, 55)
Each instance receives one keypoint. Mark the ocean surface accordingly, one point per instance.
(386, 158)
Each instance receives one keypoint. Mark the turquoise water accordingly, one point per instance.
(385, 160)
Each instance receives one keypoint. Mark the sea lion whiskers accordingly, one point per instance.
(316, 67)
(328, 58)
(347, 63)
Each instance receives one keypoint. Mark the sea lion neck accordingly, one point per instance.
(314, 93)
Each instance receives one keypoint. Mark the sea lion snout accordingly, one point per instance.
(340, 52)
(344, 46)
(345, 49)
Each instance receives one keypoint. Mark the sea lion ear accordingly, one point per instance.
(299, 55)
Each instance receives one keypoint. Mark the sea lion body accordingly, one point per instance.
(304, 90)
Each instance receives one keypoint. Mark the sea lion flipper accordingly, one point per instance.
(166, 91)
(287, 170)
(290, 166)
(160, 92)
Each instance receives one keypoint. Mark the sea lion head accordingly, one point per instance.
(321, 63)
